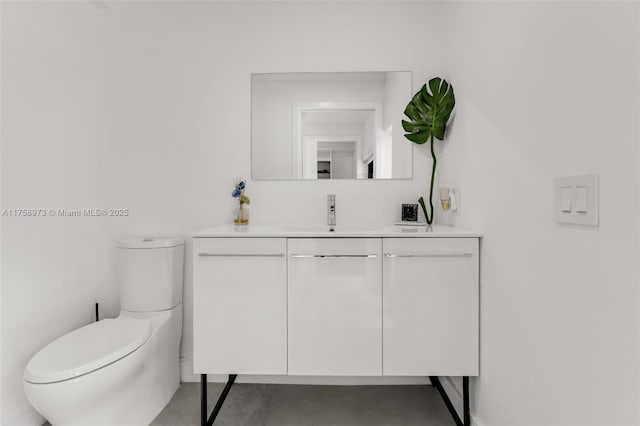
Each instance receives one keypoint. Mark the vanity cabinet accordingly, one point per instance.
(335, 306)
(240, 305)
(390, 303)
(430, 307)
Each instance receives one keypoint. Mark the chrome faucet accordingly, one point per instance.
(331, 211)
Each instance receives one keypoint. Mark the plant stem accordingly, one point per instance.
(433, 175)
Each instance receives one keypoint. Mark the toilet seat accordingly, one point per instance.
(87, 349)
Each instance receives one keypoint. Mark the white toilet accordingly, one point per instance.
(119, 371)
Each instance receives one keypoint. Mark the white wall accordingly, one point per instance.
(549, 89)
(1, 273)
(53, 268)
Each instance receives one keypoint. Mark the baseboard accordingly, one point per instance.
(475, 421)
(455, 395)
(186, 376)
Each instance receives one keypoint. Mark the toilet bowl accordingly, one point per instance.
(120, 371)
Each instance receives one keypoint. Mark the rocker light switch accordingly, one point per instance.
(577, 200)
(566, 194)
(581, 199)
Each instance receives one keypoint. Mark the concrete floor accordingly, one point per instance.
(297, 405)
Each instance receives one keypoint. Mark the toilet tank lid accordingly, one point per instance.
(150, 242)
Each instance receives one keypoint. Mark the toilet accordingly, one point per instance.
(120, 371)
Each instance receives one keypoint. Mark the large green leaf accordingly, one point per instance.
(429, 111)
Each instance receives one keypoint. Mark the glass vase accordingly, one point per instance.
(241, 215)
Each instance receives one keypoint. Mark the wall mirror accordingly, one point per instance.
(330, 125)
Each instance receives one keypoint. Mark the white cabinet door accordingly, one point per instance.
(240, 306)
(430, 303)
(335, 306)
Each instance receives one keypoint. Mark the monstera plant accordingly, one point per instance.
(428, 113)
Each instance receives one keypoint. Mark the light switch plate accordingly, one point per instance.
(576, 199)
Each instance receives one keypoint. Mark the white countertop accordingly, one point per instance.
(341, 231)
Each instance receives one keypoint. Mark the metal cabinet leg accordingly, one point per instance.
(465, 400)
(203, 399)
(466, 416)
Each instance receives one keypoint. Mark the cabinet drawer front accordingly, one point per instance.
(334, 247)
(335, 306)
(240, 247)
(431, 247)
(240, 311)
(430, 306)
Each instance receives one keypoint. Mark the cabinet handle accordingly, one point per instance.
(313, 256)
(240, 255)
(391, 255)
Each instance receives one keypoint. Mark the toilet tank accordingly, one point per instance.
(150, 273)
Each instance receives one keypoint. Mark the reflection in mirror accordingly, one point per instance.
(330, 126)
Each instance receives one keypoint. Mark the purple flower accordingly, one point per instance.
(235, 193)
(241, 185)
